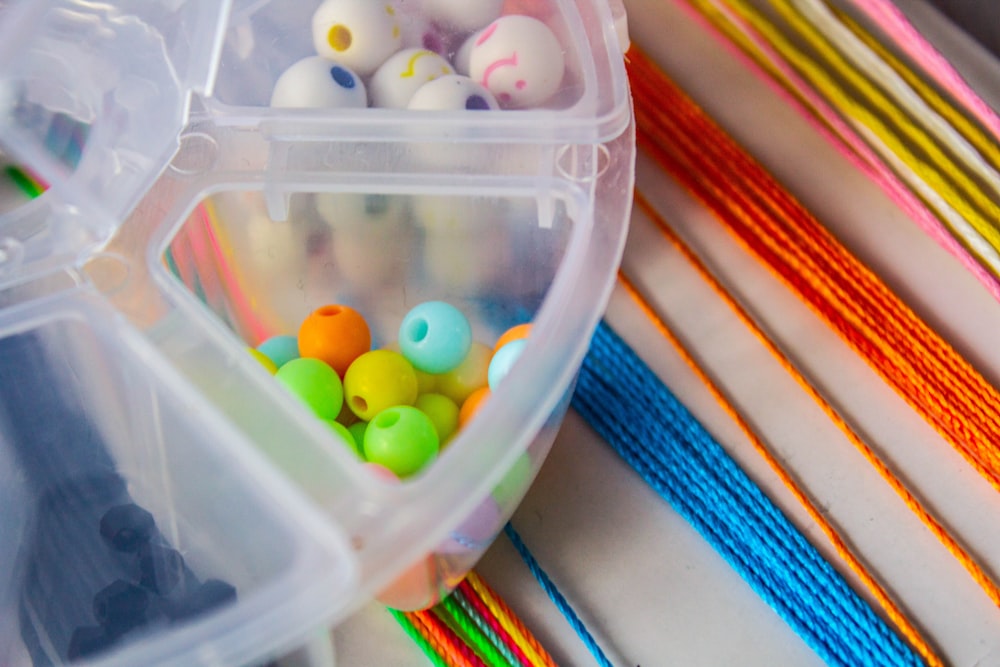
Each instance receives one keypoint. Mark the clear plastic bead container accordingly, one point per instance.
(186, 218)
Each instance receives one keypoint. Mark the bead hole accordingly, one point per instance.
(386, 420)
(360, 404)
(418, 330)
(330, 311)
(340, 37)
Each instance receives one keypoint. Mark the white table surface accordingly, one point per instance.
(650, 588)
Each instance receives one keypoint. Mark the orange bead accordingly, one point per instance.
(514, 333)
(472, 404)
(335, 334)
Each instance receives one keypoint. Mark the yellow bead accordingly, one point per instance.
(264, 361)
(378, 380)
(471, 374)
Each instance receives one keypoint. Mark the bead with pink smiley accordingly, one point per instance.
(518, 59)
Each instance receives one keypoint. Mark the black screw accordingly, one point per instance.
(120, 607)
(127, 527)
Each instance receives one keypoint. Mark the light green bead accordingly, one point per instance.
(357, 430)
(315, 383)
(345, 434)
(401, 438)
(514, 483)
(442, 411)
(378, 380)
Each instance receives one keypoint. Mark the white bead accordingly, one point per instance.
(519, 59)
(463, 15)
(316, 82)
(361, 34)
(351, 209)
(453, 92)
(399, 77)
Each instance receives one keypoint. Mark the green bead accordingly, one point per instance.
(315, 383)
(442, 411)
(358, 429)
(345, 434)
(402, 439)
(514, 484)
(378, 380)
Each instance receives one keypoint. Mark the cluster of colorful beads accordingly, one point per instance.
(398, 406)
(443, 55)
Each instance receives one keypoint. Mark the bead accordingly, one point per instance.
(352, 209)
(280, 349)
(514, 333)
(401, 438)
(399, 77)
(315, 383)
(357, 430)
(378, 380)
(319, 83)
(504, 360)
(471, 405)
(471, 374)
(211, 594)
(127, 527)
(160, 568)
(443, 413)
(335, 334)
(121, 606)
(360, 34)
(264, 361)
(415, 589)
(453, 92)
(381, 472)
(514, 483)
(344, 434)
(435, 337)
(463, 15)
(519, 59)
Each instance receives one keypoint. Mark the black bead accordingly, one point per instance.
(160, 568)
(127, 527)
(211, 594)
(120, 607)
(87, 641)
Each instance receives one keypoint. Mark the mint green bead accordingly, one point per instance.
(345, 434)
(401, 438)
(280, 349)
(315, 383)
(443, 413)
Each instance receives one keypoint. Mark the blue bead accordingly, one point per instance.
(435, 337)
(503, 360)
(280, 349)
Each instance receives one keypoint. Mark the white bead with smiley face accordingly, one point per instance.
(519, 59)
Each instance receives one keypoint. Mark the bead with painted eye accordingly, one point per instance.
(399, 77)
(519, 59)
(463, 15)
(453, 92)
(319, 83)
(360, 34)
